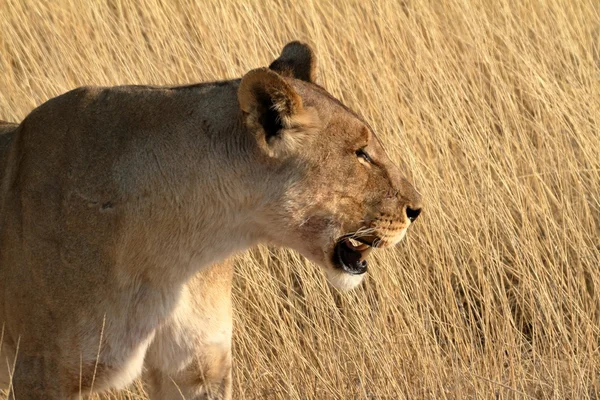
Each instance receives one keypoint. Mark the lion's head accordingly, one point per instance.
(336, 194)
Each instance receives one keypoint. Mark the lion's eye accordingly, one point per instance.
(362, 154)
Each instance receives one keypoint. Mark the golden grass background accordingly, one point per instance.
(494, 109)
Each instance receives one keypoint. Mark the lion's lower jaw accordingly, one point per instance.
(342, 280)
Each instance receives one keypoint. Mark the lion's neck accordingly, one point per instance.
(200, 217)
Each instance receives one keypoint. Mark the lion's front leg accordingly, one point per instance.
(196, 380)
(191, 354)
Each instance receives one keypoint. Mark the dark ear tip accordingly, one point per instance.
(297, 60)
(297, 45)
(299, 51)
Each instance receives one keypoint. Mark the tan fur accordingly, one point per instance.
(118, 207)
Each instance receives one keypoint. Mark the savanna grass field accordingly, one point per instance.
(493, 110)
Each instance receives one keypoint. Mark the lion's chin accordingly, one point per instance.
(342, 280)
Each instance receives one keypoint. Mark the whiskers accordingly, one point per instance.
(363, 231)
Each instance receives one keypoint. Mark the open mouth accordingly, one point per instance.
(350, 254)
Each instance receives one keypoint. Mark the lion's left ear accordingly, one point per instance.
(297, 60)
(274, 112)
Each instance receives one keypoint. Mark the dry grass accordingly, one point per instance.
(494, 108)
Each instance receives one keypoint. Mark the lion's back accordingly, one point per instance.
(7, 134)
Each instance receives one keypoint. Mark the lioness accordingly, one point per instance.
(118, 206)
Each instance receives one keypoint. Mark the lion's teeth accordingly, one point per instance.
(355, 243)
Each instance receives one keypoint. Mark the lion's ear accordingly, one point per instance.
(297, 60)
(274, 110)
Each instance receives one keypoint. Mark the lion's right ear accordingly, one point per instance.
(297, 60)
(274, 110)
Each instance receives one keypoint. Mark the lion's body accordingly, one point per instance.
(88, 251)
(118, 207)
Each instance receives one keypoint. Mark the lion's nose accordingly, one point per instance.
(408, 200)
(412, 213)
